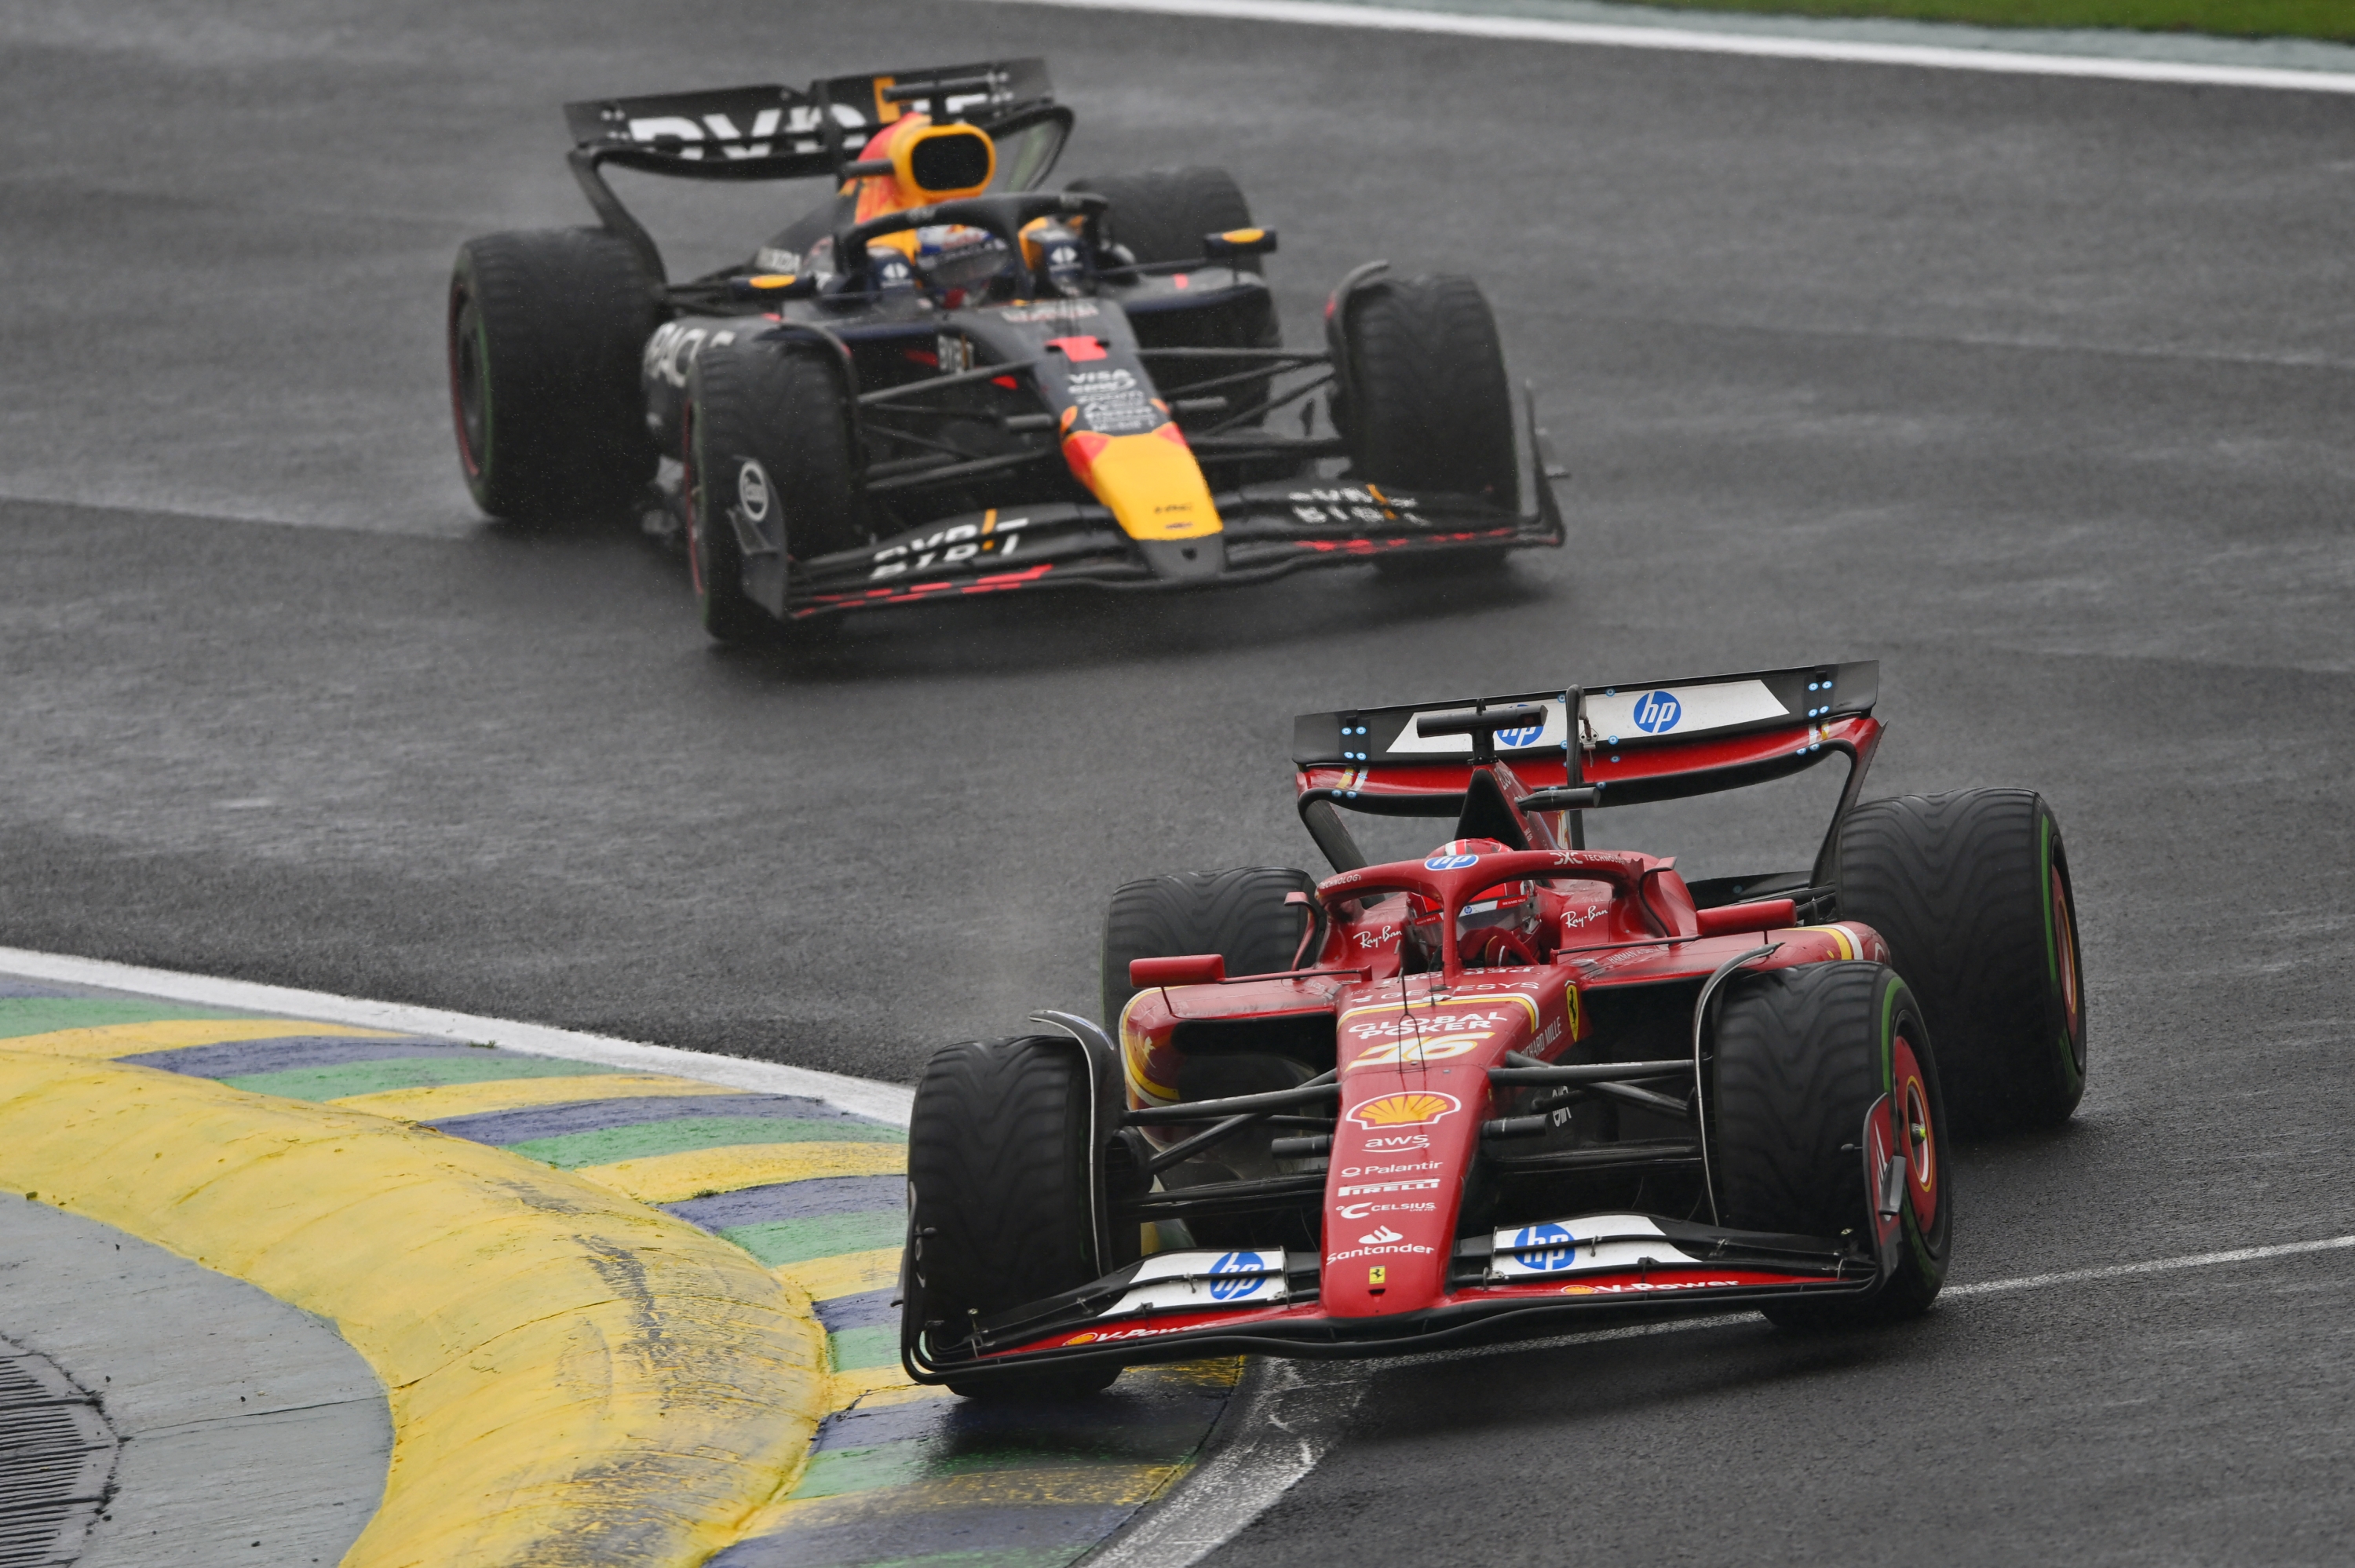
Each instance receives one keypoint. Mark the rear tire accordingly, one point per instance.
(544, 334)
(1001, 1206)
(1427, 405)
(1802, 1054)
(1161, 215)
(768, 461)
(1971, 892)
(1240, 914)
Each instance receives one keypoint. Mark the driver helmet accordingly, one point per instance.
(1504, 926)
(956, 256)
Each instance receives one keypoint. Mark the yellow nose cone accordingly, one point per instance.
(1151, 483)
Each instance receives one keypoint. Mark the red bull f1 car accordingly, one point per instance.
(945, 381)
(1513, 1082)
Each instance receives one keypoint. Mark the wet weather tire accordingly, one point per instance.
(1161, 215)
(545, 330)
(1001, 1209)
(1240, 914)
(1801, 1056)
(770, 479)
(1971, 892)
(1426, 404)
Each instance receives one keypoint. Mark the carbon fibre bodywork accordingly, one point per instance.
(1071, 419)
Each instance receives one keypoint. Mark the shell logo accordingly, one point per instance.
(1416, 1107)
(1080, 1340)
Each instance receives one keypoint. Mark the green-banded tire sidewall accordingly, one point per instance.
(1971, 890)
(543, 333)
(1239, 914)
(1801, 1055)
(1000, 1197)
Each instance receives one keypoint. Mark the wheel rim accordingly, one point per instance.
(469, 379)
(690, 485)
(1916, 1133)
(2065, 950)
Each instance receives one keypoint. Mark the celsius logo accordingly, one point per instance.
(1525, 736)
(1235, 1276)
(1450, 862)
(1657, 712)
(1546, 1247)
(752, 491)
(1379, 1235)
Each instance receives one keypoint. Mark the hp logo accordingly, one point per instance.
(1656, 713)
(1226, 1287)
(1561, 1247)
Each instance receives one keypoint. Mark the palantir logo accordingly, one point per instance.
(1557, 1248)
(1657, 712)
(1236, 1274)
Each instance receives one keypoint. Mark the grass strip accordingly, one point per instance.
(2328, 19)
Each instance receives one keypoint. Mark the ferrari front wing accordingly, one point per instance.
(1178, 1306)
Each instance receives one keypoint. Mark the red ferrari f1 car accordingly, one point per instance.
(1510, 1080)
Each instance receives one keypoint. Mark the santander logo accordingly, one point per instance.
(1379, 1235)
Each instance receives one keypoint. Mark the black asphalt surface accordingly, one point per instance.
(2036, 390)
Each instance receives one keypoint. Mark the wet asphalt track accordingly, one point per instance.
(2036, 390)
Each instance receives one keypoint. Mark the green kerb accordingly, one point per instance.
(779, 1242)
(405, 1072)
(603, 1147)
(23, 1015)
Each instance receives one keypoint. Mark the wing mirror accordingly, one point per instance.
(1195, 968)
(1238, 243)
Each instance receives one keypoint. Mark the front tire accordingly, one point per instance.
(1427, 405)
(769, 466)
(1801, 1056)
(1971, 891)
(543, 333)
(1001, 1200)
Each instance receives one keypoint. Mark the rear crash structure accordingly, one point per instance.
(1511, 1081)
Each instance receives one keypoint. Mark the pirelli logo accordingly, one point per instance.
(1369, 1188)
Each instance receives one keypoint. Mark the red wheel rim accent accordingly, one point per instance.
(2064, 947)
(1916, 1133)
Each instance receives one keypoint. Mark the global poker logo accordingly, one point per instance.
(1657, 712)
(1556, 1248)
(1236, 1274)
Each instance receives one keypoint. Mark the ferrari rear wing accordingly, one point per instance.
(776, 132)
(1634, 743)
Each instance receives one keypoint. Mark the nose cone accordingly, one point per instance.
(1150, 481)
(1392, 1191)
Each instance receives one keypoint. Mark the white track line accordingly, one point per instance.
(1289, 1423)
(1533, 29)
(864, 1097)
(2158, 1266)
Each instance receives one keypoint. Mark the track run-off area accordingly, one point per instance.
(2033, 388)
